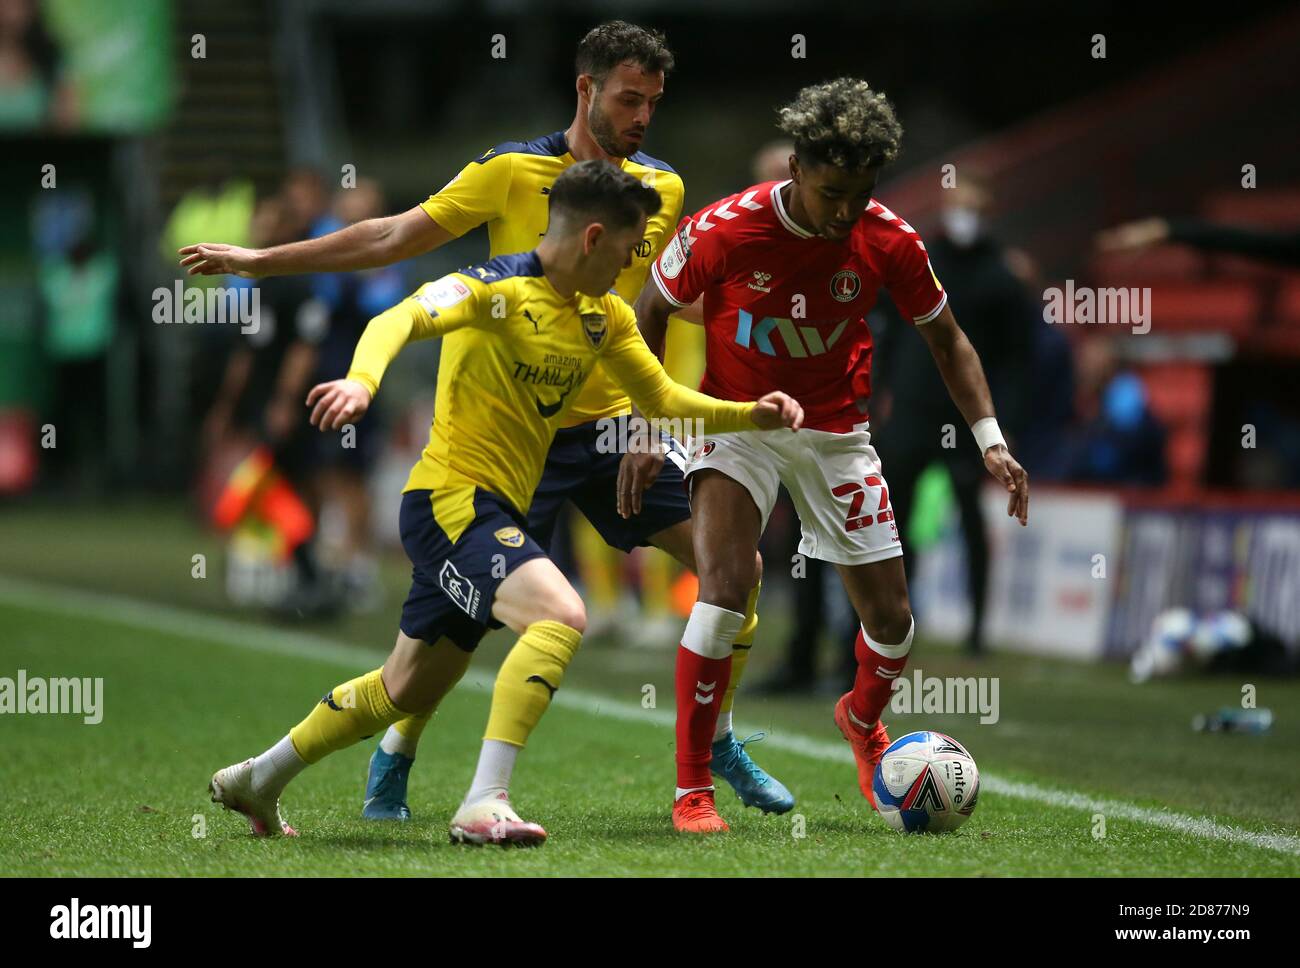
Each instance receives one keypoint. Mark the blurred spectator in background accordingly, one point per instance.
(33, 91)
(267, 500)
(311, 215)
(341, 472)
(1042, 447)
(78, 282)
(1118, 440)
(308, 196)
(1282, 248)
(915, 411)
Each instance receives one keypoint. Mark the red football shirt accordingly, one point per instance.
(784, 309)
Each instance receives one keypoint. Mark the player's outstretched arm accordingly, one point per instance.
(655, 394)
(365, 245)
(963, 375)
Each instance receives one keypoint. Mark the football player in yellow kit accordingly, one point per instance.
(632, 500)
(532, 328)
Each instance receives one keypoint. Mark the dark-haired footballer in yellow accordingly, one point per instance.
(529, 334)
(629, 500)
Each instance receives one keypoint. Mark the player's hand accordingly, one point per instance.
(219, 259)
(637, 471)
(1133, 235)
(776, 410)
(337, 403)
(1005, 468)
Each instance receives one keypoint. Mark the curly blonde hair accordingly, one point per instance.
(843, 123)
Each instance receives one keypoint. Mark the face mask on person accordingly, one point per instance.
(961, 225)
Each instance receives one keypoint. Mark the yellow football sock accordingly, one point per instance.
(350, 712)
(528, 679)
(448, 666)
(740, 648)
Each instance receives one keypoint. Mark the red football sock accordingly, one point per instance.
(878, 666)
(701, 681)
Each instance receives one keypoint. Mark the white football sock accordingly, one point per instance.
(724, 726)
(273, 770)
(395, 742)
(681, 792)
(495, 764)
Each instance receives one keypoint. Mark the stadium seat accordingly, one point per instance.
(1185, 455)
(1222, 306)
(1288, 303)
(1252, 270)
(1142, 268)
(1179, 395)
(1261, 208)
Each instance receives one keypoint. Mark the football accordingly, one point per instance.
(926, 783)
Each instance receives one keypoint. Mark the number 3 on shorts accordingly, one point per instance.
(855, 519)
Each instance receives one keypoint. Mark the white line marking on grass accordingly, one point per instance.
(186, 624)
(840, 753)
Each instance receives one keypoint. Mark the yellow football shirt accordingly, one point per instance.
(515, 359)
(507, 189)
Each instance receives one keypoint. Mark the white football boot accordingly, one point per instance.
(494, 821)
(233, 789)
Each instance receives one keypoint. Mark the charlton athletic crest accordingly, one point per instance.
(845, 285)
(705, 449)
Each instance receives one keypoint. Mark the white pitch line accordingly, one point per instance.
(187, 624)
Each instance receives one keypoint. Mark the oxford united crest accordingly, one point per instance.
(594, 325)
(510, 537)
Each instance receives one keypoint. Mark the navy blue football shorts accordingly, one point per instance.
(462, 543)
(579, 468)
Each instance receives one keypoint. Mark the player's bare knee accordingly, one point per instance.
(891, 623)
(567, 611)
(726, 586)
(758, 567)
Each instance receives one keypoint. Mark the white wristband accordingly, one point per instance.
(987, 433)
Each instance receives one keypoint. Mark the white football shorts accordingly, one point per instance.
(835, 481)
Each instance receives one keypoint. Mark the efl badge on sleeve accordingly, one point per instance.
(443, 294)
(675, 254)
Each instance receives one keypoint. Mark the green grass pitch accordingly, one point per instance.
(188, 688)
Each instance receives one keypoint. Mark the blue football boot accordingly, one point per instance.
(386, 786)
(754, 785)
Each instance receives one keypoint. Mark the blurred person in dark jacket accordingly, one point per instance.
(260, 401)
(340, 472)
(915, 415)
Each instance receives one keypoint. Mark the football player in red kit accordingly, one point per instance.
(788, 270)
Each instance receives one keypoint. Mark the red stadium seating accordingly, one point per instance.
(1147, 266)
(1180, 398)
(1279, 208)
(1225, 306)
(1288, 303)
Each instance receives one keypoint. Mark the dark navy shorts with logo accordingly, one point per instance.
(579, 470)
(454, 583)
